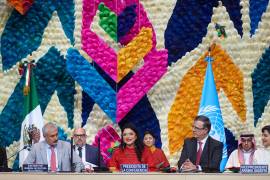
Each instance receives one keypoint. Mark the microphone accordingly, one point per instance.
(28, 147)
(71, 155)
(99, 153)
(99, 168)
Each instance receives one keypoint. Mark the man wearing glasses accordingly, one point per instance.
(88, 153)
(244, 154)
(201, 152)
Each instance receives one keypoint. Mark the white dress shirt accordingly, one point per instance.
(83, 153)
(203, 143)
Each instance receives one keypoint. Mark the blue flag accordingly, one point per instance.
(209, 107)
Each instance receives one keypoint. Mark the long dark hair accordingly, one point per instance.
(138, 144)
(149, 132)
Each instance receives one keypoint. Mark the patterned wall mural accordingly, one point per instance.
(103, 63)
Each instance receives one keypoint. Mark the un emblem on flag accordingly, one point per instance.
(217, 127)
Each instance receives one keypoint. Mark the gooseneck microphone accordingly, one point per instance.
(71, 155)
(17, 152)
(99, 152)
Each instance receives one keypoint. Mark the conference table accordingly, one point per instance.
(129, 176)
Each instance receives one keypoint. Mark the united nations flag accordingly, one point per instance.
(209, 106)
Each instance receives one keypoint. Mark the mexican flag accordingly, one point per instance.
(31, 128)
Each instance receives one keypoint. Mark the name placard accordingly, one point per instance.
(35, 168)
(134, 168)
(253, 169)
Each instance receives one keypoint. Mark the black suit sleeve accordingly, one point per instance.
(216, 149)
(184, 154)
(92, 154)
(3, 158)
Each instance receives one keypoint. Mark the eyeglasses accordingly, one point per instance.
(197, 128)
(79, 135)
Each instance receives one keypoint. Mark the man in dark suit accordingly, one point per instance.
(3, 159)
(88, 153)
(201, 152)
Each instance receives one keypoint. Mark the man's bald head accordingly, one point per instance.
(79, 135)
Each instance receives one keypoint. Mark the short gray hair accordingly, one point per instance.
(47, 127)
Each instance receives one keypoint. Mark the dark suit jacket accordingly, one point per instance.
(211, 155)
(3, 158)
(92, 155)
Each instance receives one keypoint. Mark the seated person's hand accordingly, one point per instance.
(89, 168)
(113, 169)
(188, 166)
(159, 166)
